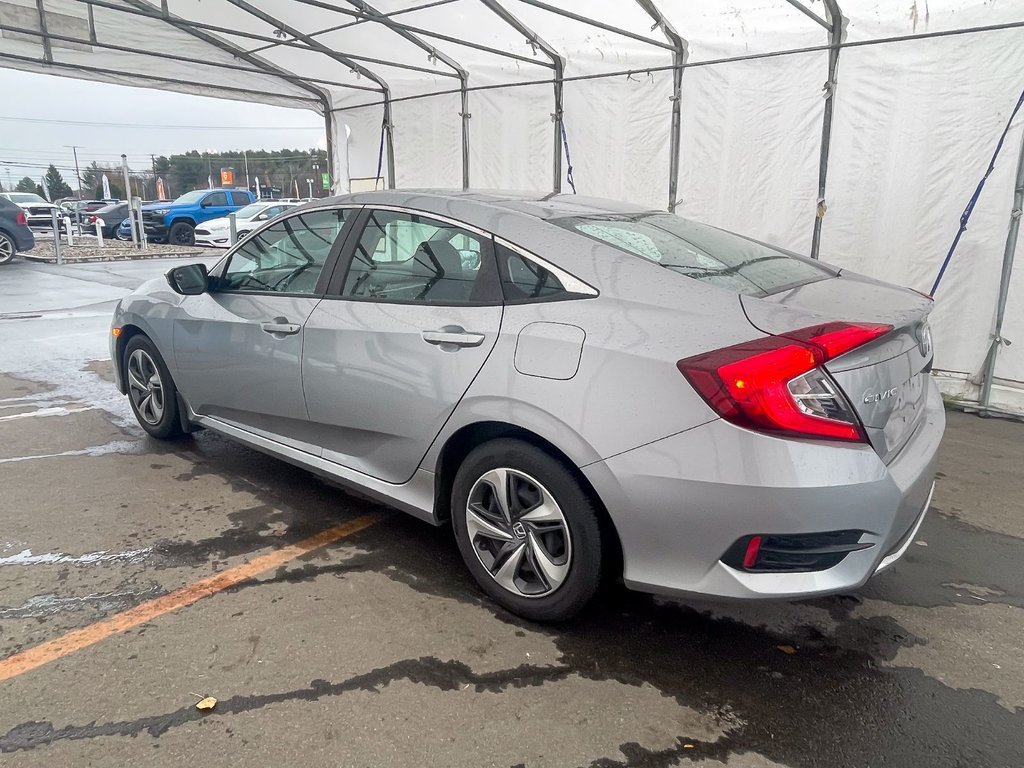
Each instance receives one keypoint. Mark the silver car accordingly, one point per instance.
(579, 386)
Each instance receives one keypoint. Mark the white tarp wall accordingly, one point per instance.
(915, 121)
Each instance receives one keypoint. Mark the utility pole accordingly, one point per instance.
(245, 158)
(209, 170)
(78, 175)
(131, 207)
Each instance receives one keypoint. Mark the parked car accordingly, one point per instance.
(15, 235)
(124, 230)
(111, 214)
(608, 387)
(175, 222)
(217, 232)
(37, 210)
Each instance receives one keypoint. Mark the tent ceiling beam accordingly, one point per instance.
(420, 31)
(294, 79)
(558, 65)
(810, 14)
(680, 54)
(595, 23)
(142, 9)
(349, 24)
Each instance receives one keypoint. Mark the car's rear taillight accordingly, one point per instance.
(21, 218)
(777, 384)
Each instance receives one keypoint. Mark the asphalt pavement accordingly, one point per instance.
(138, 577)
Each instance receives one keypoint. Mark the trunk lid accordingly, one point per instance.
(885, 380)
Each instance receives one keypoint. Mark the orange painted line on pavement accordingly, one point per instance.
(78, 639)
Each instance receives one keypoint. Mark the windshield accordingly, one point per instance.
(251, 210)
(701, 252)
(24, 197)
(192, 197)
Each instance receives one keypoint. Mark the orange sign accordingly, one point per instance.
(227, 177)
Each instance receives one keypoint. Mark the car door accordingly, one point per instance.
(238, 347)
(410, 317)
(215, 205)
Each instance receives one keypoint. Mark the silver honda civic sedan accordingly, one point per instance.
(581, 387)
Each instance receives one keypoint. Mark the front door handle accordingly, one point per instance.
(280, 325)
(459, 338)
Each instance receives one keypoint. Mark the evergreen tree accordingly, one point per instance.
(56, 184)
(26, 185)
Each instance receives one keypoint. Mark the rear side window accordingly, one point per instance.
(524, 280)
(239, 198)
(701, 252)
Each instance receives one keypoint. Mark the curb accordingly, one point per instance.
(128, 257)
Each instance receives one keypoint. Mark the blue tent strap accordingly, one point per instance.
(568, 160)
(965, 217)
(380, 150)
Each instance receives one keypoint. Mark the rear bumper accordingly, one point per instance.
(678, 505)
(23, 238)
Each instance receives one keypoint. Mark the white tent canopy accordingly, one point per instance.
(857, 128)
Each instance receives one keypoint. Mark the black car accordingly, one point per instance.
(15, 235)
(112, 214)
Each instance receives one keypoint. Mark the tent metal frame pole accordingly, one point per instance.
(810, 14)
(597, 24)
(996, 339)
(293, 79)
(432, 52)
(144, 10)
(329, 128)
(837, 32)
(47, 49)
(680, 55)
(558, 65)
(408, 28)
(341, 59)
(184, 26)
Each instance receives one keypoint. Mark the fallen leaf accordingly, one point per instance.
(208, 703)
(787, 649)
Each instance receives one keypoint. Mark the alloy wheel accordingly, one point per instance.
(145, 387)
(6, 249)
(518, 532)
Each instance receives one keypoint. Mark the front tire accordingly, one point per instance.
(151, 391)
(181, 233)
(527, 530)
(7, 248)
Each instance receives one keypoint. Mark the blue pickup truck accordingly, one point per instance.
(175, 222)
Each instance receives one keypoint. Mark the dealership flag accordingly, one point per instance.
(106, 187)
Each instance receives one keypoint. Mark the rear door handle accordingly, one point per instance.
(459, 338)
(280, 325)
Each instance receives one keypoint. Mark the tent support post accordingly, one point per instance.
(389, 138)
(680, 53)
(47, 50)
(837, 31)
(1004, 281)
(558, 65)
(329, 128)
(464, 114)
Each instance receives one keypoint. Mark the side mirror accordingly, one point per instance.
(189, 280)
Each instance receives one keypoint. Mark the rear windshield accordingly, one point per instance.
(704, 253)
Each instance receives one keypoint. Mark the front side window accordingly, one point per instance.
(701, 252)
(286, 257)
(215, 199)
(411, 258)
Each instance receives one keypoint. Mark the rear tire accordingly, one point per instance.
(7, 248)
(181, 233)
(151, 391)
(538, 551)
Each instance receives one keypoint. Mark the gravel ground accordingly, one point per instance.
(87, 249)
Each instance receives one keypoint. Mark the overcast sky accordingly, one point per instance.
(38, 117)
